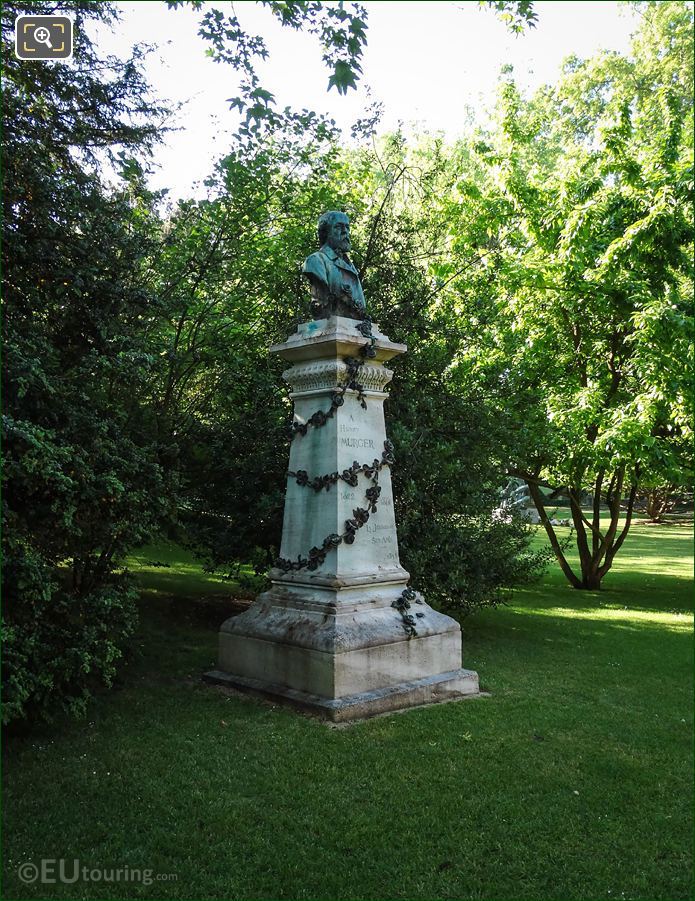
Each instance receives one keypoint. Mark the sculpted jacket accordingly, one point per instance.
(333, 271)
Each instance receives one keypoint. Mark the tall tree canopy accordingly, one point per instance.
(580, 306)
(92, 424)
(85, 476)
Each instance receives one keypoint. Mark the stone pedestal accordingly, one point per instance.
(327, 638)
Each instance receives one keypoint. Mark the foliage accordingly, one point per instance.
(117, 342)
(579, 303)
(450, 452)
(516, 14)
(540, 273)
(256, 230)
(61, 645)
(341, 29)
(228, 276)
(84, 475)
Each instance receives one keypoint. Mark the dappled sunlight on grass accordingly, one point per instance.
(652, 573)
(656, 566)
(166, 569)
(677, 622)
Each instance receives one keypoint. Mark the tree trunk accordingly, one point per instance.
(537, 498)
(657, 501)
(595, 558)
(591, 581)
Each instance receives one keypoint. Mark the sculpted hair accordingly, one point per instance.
(325, 222)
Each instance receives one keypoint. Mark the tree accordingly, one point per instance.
(84, 475)
(659, 499)
(341, 30)
(450, 446)
(92, 453)
(229, 278)
(580, 301)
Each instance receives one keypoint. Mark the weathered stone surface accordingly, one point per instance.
(329, 639)
(353, 434)
(341, 651)
(455, 686)
(333, 338)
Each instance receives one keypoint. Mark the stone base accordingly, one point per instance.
(346, 658)
(451, 686)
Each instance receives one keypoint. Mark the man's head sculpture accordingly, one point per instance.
(335, 283)
(334, 230)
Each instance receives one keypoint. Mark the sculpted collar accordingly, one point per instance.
(336, 256)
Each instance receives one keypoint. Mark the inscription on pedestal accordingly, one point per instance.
(375, 527)
(358, 442)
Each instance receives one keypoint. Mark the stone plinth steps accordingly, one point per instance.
(328, 639)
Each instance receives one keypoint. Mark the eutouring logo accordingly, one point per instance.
(43, 37)
(50, 871)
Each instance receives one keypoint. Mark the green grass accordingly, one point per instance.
(573, 780)
(181, 575)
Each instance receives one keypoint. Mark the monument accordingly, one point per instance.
(340, 633)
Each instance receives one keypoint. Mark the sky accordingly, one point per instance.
(430, 63)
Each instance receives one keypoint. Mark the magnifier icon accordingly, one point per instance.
(43, 36)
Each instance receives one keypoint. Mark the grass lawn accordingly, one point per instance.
(573, 780)
(166, 570)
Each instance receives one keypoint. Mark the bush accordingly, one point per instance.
(467, 562)
(85, 474)
(58, 646)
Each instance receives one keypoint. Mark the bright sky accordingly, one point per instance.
(428, 62)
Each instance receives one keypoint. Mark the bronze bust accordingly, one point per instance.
(335, 283)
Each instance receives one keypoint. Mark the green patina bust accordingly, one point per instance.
(335, 283)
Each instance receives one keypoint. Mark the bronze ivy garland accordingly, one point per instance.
(402, 604)
(354, 364)
(360, 515)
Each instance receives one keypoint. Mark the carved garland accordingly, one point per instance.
(360, 515)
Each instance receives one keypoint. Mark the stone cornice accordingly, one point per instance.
(330, 374)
